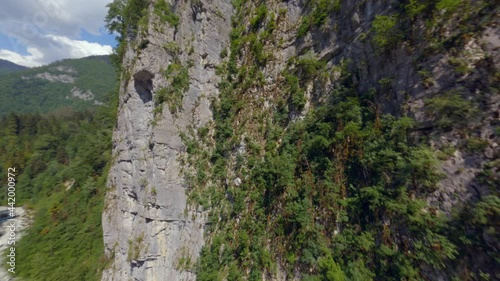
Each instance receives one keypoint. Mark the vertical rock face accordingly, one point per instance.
(150, 231)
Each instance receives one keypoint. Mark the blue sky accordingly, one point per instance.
(38, 32)
(104, 38)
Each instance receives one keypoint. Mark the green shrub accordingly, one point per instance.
(143, 182)
(415, 7)
(172, 47)
(271, 26)
(331, 270)
(259, 17)
(322, 9)
(460, 65)
(450, 110)
(476, 145)
(164, 10)
(223, 53)
(386, 33)
(318, 15)
(178, 77)
(257, 48)
(296, 93)
(487, 211)
(448, 5)
(299, 99)
(427, 79)
(386, 83)
(124, 16)
(336, 6)
(445, 153)
(203, 132)
(305, 25)
(310, 66)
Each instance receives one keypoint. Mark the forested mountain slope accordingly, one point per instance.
(61, 155)
(61, 162)
(76, 84)
(8, 67)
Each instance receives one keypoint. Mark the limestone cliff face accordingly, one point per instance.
(150, 232)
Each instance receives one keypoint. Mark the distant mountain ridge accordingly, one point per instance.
(8, 67)
(77, 84)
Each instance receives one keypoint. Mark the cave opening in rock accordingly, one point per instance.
(144, 85)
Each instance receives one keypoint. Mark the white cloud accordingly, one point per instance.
(52, 47)
(49, 29)
(34, 59)
(63, 17)
(80, 48)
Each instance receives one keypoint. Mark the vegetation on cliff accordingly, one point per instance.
(313, 176)
(341, 194)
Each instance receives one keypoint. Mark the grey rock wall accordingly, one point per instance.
(150, 230)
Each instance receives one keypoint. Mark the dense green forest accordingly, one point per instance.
(61, 160)
(60, 146)
(52, 87)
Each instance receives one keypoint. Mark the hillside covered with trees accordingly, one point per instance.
(76, 84)
(61, 162)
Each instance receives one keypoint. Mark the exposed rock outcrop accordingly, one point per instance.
(150, 231)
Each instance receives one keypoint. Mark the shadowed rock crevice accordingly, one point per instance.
(143, 84)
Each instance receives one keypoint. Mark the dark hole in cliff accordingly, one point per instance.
(144, 85)
(137, 263)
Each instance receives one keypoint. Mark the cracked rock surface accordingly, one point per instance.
(148, 224)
